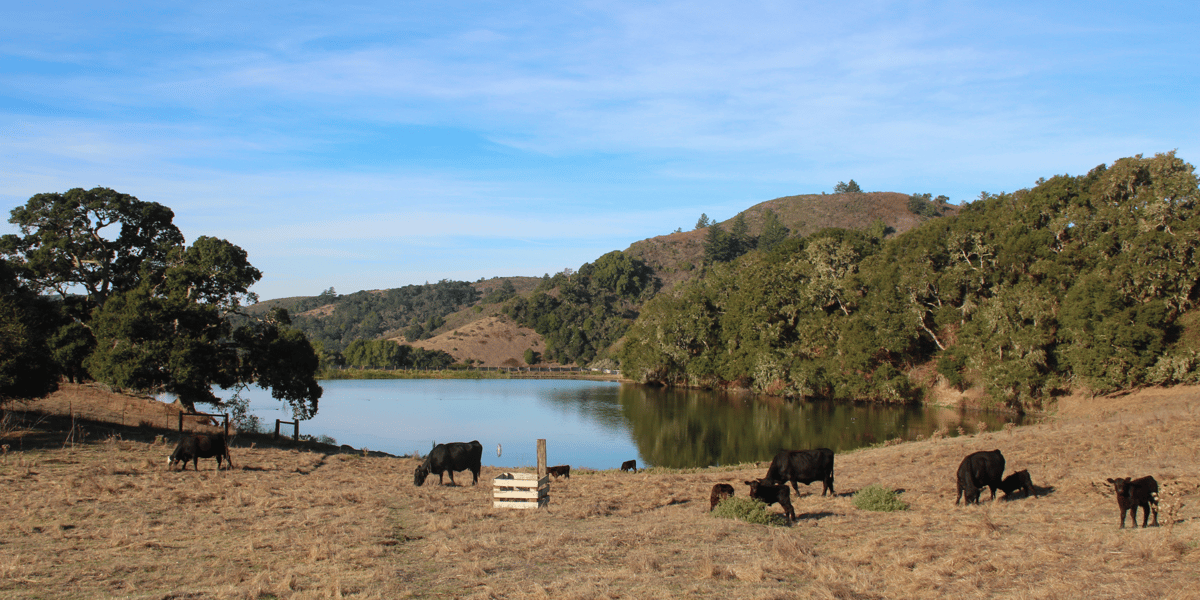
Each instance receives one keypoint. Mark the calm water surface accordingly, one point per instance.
(598, 424)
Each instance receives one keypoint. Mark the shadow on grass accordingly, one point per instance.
(33, 430)
(1038, 491)
(814, 516)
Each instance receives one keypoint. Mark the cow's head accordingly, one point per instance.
(1121, 485)
(419, 475)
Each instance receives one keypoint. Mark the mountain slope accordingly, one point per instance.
(675, 257)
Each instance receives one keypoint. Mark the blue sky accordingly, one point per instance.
(374, 145)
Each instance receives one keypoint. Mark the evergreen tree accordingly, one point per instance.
(773, 231)
(718, 247)
(740, 241)
(847, 188)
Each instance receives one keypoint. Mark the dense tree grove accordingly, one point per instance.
(138, 309)
(1080, 281)
(387, 354)
(581, 314)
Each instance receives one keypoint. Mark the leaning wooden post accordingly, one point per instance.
(296, 431)
(276, 428)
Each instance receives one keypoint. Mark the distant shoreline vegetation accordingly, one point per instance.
(466, 373)
(409, 374)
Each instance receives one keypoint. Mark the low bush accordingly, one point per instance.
(878, 498)
(750, 510)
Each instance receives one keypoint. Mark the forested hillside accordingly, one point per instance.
(413, 311)
(582, 315)
(1081, 281)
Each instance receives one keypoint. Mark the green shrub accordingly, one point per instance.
(878, 498)
(747, 509)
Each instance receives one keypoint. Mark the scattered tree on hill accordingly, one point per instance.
(739, 236)
(703, 222)
(721, 246)
(140, 310)
(847, 188)
(924, 205)
(718, 247)
(773, 231)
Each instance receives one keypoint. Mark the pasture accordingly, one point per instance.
(98, 515)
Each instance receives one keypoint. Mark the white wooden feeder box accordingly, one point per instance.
(520, 490)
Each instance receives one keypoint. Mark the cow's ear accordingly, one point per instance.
(1111, 480)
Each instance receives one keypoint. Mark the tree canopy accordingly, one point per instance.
(138, 309)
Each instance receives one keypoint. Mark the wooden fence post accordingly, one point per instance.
(541, 458)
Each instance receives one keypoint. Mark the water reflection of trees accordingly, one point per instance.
(687, 428)
(597, 403)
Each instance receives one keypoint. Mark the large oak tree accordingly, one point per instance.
(140, 310)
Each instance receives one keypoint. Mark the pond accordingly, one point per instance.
(600, 424)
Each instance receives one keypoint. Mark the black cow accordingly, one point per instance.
(1019, 481)
(770, 493)
(977, 470)
(195, 446)
(448, 458)
(559, 471)
(1133, 493)
(720, 492)
(804, 466)
(629, 465)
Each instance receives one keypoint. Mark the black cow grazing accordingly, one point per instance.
(448, 458)
(978, 470)
(559, 471)
(1019, 481)
(770, 493)
(629, 465)
(720, 492)
(804, 466)
(1133, 493)
(195, 446)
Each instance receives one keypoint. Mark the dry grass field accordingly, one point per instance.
(97, 515)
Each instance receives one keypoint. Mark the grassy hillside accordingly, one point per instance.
(678, 256)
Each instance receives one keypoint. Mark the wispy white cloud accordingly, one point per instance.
(294, 129)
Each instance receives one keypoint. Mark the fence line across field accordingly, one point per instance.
(295, 431)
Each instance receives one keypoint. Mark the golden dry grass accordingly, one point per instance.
(106, 519)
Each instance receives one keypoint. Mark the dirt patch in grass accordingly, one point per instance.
(106, 519)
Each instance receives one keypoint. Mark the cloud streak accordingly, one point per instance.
(481, 126)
